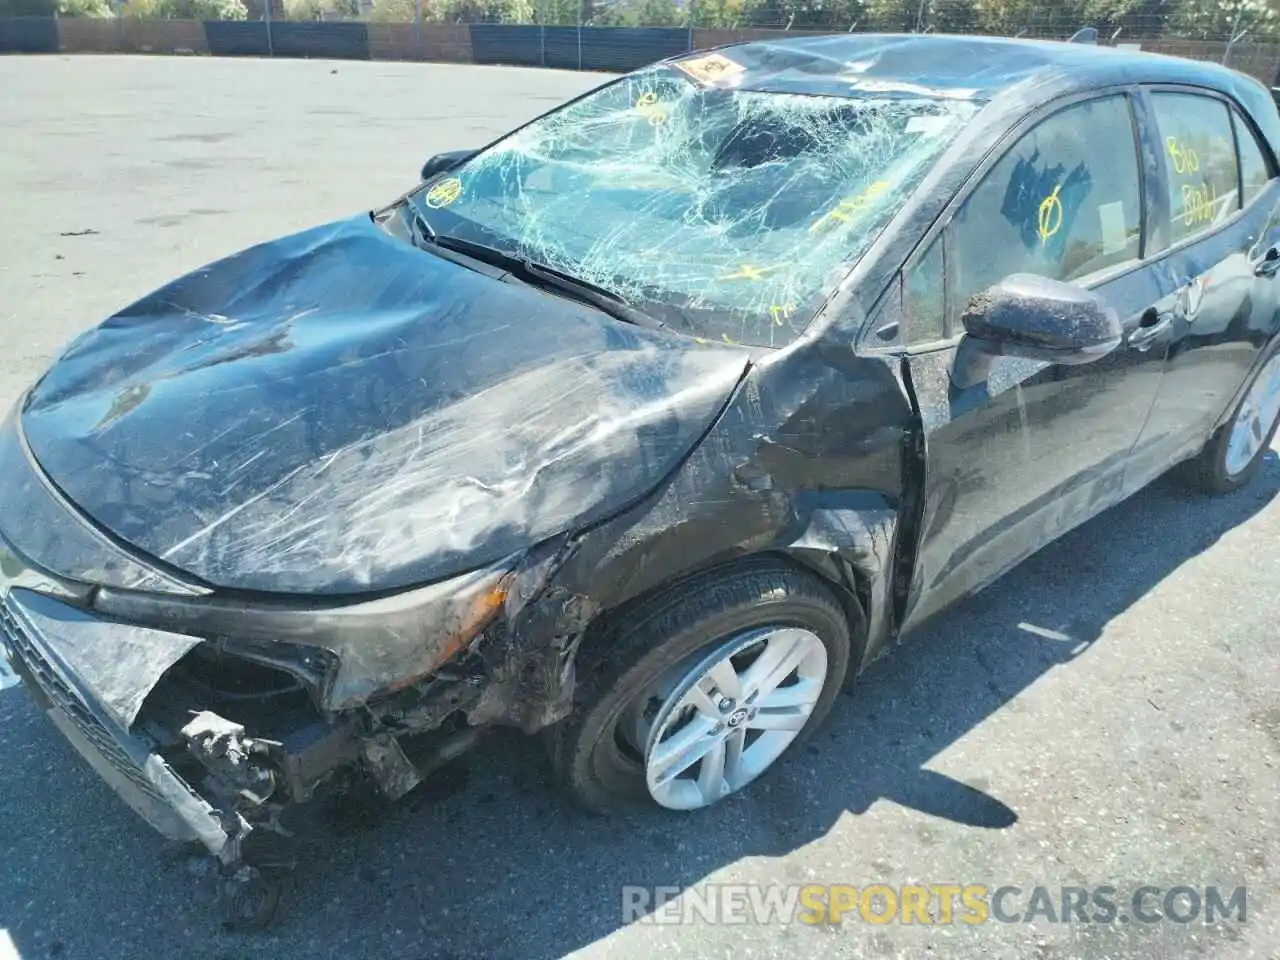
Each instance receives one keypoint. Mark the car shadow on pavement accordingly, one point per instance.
(489, 861)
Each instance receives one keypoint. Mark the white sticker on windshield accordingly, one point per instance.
(1111, 219)
(711, 67)
(928, 125)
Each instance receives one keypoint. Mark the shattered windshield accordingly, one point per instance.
(726, 213)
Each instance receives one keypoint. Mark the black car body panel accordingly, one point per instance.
(400, 494)
(380, 416)
(74, 553)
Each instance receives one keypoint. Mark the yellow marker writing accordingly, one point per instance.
(648, 106)
(1050, 215)
(1184, 159)
(846, 208)
(748, 272)
(1198, 204)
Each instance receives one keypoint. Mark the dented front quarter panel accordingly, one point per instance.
(807, 460)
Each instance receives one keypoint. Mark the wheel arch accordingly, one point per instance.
(849, 588)
(1268, 350)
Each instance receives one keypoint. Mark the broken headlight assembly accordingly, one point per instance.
(346, 653)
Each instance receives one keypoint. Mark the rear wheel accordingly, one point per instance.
(699, 691)
(1235, 453)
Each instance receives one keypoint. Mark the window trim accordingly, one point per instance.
(1238, 120)
(915, 260)
(997, 152)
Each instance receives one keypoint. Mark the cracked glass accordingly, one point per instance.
(727, 213)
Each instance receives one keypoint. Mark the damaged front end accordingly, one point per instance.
(213, 717)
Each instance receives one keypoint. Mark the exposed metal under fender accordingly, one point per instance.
(240, 765)
(390, 768)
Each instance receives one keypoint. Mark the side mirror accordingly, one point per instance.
(445, 161)
(1025, 315)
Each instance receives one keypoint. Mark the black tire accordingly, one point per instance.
(1208, 472)
(634, 650)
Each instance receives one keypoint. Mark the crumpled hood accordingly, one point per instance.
(339, 412)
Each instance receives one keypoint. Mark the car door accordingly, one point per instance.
(1217, 274)
(1034, 448)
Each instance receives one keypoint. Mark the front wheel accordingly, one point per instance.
(1235, 453)
(699, 691)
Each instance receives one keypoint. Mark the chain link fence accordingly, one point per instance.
(617, 34)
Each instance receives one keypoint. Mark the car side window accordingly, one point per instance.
(923, 300)
(1200, 160)
(1063, 202)
(1253, 164)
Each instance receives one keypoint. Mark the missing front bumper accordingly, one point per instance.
(141, 777)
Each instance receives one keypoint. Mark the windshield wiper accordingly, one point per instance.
(424, 237)
(581, 290)
(593, 294)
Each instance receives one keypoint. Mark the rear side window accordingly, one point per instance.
(1253, 165)
(1064, 202)
(1200, 159)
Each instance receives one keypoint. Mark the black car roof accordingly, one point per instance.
(976, 67)
(1016, 71)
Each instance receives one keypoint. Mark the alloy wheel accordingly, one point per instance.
(1255, 418)
(712, 725)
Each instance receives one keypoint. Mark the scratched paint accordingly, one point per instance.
(346, 410)
(360, 434)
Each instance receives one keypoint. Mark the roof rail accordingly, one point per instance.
(1085, 35)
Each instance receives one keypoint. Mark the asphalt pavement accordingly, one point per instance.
(1108, 714)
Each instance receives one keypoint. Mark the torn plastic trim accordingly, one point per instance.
(858, 529)
(112, 665)
(140, 777)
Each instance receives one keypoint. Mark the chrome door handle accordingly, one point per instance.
(1152, 326)
(1269, 264)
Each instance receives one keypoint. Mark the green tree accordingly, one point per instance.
(828, 15)
(912, 16)
(321, 9)
(716, 13)
(486, 11)
(393, 11)
(557, 13)
(639, 13)
(85, 8)
(1029, 18)
(1226, 19)
(185, 10)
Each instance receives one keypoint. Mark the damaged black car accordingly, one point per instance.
(642, 429)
